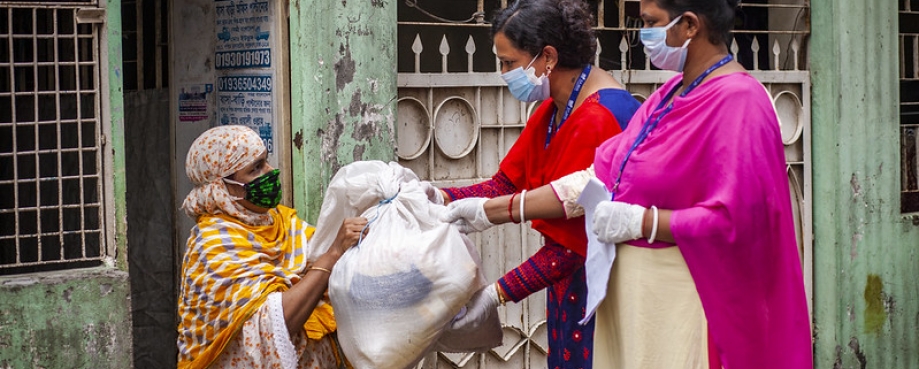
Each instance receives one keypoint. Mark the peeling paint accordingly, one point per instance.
(856, 187)
(26, 281)
(298, 140)
(853, 251)
(67, 293)
(856, 349)
(330, 142)
(358, 153)
(377, 3)
(837, 361)
(344, 68)
(105, 289)
(875, 313)
(365, 130)
(356, 108)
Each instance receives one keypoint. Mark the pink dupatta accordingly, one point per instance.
(717, 160)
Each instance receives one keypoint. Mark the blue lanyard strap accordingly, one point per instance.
(652, 122)
(569, 107)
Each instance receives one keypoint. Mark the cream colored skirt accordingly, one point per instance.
(652, 317)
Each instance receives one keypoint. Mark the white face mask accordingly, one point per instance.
(525, 86)
(664, 56)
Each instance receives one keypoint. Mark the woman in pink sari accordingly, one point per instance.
(706, 271)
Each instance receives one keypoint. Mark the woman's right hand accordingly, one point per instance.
(349, 233)
(468, 214)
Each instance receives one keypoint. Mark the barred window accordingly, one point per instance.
(51, 207)
(144, 51)
(909, 105)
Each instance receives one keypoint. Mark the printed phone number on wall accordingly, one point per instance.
(244, 59)
(244, 84)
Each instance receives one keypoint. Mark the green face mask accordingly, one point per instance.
(264, 191)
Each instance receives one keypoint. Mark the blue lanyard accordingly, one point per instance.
(569, 107)
(651, 123)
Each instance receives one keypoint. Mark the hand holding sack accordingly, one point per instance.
(396, 292)
(468, 215)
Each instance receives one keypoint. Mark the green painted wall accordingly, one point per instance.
(866, 298)
(69, 319)
(79, 318)
(113, 112)
(343, 90)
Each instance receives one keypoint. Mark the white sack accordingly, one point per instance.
(396, 291)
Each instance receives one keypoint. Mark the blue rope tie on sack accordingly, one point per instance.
(375, 216)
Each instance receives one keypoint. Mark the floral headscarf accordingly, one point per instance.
(217, 153)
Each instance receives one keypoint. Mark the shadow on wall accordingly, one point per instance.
(151, 244)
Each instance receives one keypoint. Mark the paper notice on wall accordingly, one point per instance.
(243, 34)
(247, 100)
(193, 105)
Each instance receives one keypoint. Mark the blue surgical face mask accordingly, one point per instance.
(525, 86)
(664, 56)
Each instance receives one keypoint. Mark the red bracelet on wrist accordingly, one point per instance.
(510, 205)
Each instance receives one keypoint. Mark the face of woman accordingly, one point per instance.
(511, 57)
(652, 15)
(247, 174)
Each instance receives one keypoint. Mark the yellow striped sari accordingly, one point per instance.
(228, 271)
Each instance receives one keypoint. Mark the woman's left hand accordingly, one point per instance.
(616, 221)
(349, 233)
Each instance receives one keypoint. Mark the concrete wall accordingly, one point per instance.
(343, 90)
(67, 319)
(866, 299)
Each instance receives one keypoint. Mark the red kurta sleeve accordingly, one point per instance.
(530, 163)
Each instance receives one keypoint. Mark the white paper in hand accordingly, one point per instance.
(600, 256)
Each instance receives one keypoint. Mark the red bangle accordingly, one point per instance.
(510, 205)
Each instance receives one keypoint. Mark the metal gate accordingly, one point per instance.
(456, 121)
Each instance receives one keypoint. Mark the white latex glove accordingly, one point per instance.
(616, 222)
(468, 214)
(477, 311)
(434, 194)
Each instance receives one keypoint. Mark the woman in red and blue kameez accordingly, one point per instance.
(582, 107)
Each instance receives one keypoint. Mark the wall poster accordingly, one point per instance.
(245, 69)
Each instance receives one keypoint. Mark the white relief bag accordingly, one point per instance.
(396, 292)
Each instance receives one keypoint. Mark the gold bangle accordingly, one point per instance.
(501, 299)
(322, 269)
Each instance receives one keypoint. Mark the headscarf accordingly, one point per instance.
(217, 153)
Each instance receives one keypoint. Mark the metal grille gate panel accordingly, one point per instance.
(51, 175)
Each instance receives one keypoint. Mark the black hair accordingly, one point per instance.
(717, 14)
(565, 24)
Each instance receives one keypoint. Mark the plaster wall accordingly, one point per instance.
(67, 319)
(866, 253)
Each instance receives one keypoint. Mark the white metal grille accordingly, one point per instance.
(909, 105)
(51, 207)
(456, 121)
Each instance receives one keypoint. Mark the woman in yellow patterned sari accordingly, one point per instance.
(253, 287)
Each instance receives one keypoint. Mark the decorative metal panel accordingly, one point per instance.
(456, 121)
